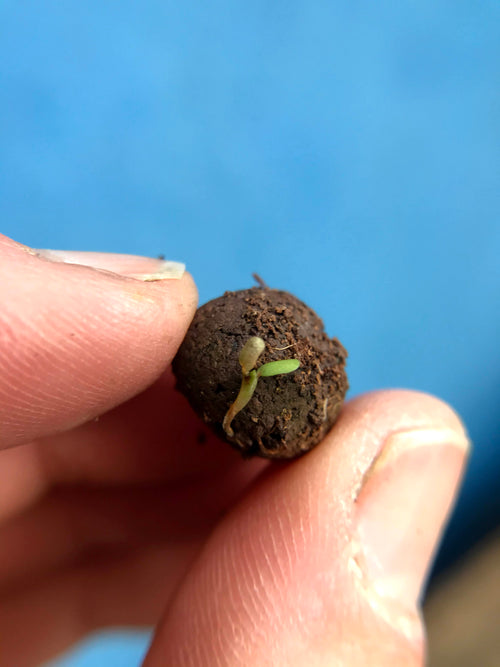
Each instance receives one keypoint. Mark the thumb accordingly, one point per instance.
(402, 506)
(322, 561)
(75, 341)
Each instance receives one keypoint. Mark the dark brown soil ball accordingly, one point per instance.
(289, 413)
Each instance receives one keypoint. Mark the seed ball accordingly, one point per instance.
(288, 414)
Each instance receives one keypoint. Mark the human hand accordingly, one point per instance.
(114, 512)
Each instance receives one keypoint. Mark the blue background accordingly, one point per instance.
(347, 152)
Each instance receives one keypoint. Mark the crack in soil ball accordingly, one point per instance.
(288, 413)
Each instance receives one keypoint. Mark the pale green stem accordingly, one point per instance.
(248, 384)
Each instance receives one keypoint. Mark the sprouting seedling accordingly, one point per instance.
(249, 355)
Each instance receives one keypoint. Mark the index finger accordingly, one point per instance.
(76, 341)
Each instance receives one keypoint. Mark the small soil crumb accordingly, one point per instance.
(288, 414)
(201, 438)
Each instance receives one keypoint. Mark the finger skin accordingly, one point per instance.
(76, 341)
(111, 590)
(72, 521)
(280, 582)
(153, 439)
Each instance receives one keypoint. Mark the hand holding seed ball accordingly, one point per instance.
(241, 563)
(263, 333)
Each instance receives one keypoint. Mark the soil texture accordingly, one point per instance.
(288, 414)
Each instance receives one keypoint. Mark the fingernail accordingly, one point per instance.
(132, 266)
(403, 505)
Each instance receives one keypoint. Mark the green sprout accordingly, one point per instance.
(249, 355)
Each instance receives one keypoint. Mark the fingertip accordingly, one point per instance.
(188, 295)
(80, 340)
(406, 494)
(391, 409)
